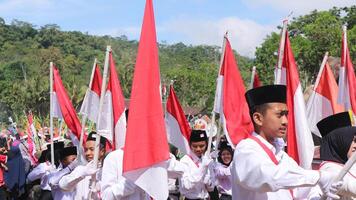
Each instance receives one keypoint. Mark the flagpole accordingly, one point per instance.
(252, 76)
(101, 102)
(344, 30)
(51, 110)
(213, 112)
(281, 53)
(84, 115)
(322, 66)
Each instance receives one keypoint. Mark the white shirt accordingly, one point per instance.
(347, 190)
(79, 183)
(114, 185)
(223, 177)
(53, 180)
(196, 180)
(256, 177)
(39, 172)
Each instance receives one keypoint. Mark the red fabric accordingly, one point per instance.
(328, 88)
(97, 80)
(347, 63)
(175, 109)
(68, 112)
(3, 160)
(146, 140)
(238, 122)
(256, 81)
(118, 99)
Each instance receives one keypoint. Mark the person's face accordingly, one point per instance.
(198, 148)
(69, 159)
(273, 123)
(352, 149)
(3, 150)
(89, 150)
(226, 157)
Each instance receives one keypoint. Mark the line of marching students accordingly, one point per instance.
(258, 168)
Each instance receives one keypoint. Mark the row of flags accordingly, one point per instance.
(144, 136)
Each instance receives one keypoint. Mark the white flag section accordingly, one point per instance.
(90, 105)
(323, 99)
(57, 113)
(112, 124)
(178, 130)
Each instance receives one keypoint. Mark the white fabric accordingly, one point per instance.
(174, 134)
(90, 105)
(347, 190)
(192, 182)
(343, 93)
(40, 172)
(218, 95)
(56, 108)
(53, 180)
(114, 185)
(79, 184)
(256, 177)
(120, 131)
(223, 177)
(318, 107)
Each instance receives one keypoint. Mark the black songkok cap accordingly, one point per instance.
(92, 137)
(57, 146)
(198, 135)
(68, 151)
(266, 94)
(333, 122)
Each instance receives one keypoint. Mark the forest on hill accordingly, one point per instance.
(26, 50)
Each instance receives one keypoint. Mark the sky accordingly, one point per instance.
(193, 22)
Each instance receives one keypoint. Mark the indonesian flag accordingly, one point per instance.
(300, 144)
(63, 106)
(323, 99)
(230, 100)
(347, 90)
(256, 81)
(90, 105)
(113, 120)
(31, 133)
(146, 147)
(178, 129)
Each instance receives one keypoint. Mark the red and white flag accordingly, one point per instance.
(178, 129)
(90, 105)
(255, 80)
(300, 145)
(347, 81)
(146, 148)
(230, 99)
(323, 99)
(31, 134)
(63, 106)
(112, 124)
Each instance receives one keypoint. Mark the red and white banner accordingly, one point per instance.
(112, 125)
(63, 106)
(31, 134)
(347, 87)
(178, 129)
(146, 148)
(300, 145)
(90, 105)
(230, 100)
(323, 99)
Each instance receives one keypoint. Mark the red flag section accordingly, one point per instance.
(230, 100)
(347, 81)
(299, 140)
(66, 107)
(178, 129)
(256, 81)
(146, 146)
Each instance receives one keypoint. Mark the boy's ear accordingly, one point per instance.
(257, 118)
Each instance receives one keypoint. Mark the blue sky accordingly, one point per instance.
(189, 21)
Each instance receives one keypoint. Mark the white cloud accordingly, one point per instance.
(245, 35)
(299, 7)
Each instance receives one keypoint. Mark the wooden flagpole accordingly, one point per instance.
(51, 110)
(281, 53)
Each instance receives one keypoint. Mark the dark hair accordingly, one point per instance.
(229, 149)
(260, 109)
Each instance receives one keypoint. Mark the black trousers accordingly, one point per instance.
(225, 197)
(3, 194)
(46, 195)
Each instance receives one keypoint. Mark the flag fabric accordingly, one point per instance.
(323, 99)
(300, 144)
(230, 100)
(31, 134)
(178, 129)
(347, 87)
(63, 106)
(256, 81)
(146, 147)
(113, 120)
(90, 105)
